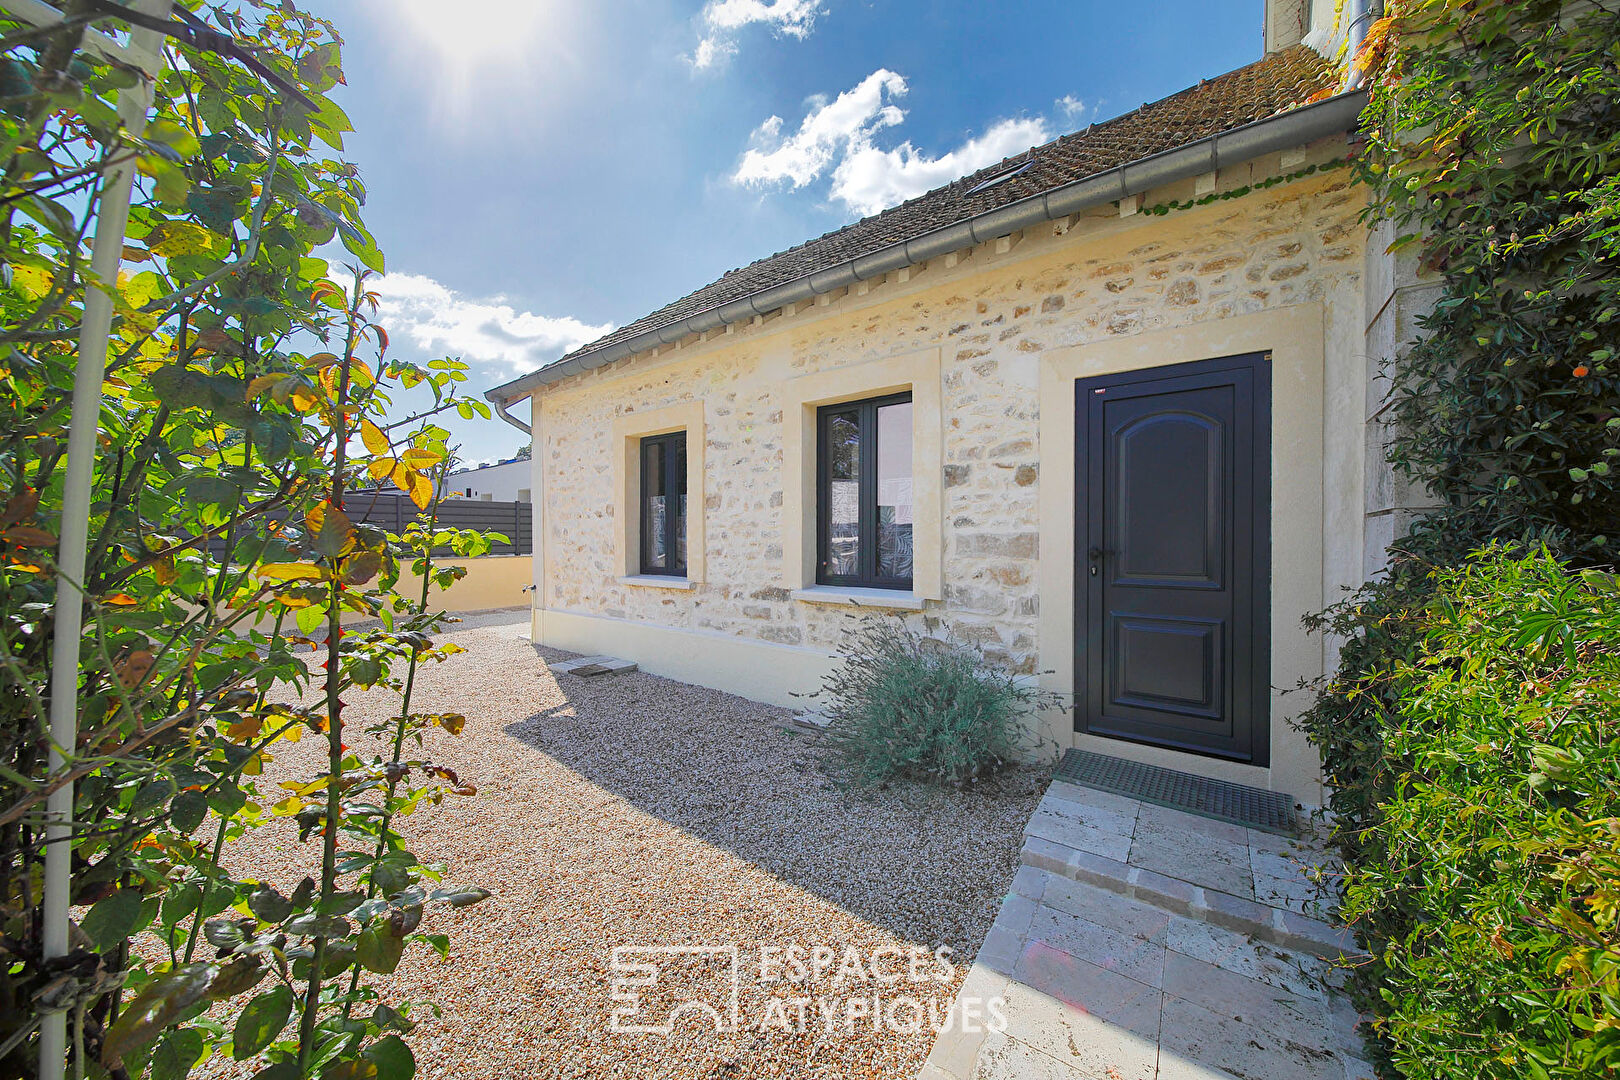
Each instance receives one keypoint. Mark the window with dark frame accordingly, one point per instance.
(864, 493)
(663, 504)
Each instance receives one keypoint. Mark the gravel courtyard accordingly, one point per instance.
(633, 810)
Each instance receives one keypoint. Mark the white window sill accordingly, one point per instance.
(893, 599)
(658, 581)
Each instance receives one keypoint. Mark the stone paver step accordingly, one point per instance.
(1241, 879)
(1102, 968)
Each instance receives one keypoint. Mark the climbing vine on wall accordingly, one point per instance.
(1493, 144)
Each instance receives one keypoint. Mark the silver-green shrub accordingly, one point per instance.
(902, 703)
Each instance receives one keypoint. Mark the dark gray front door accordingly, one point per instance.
(1172, 563)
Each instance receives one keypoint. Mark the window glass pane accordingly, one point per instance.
(678, 481)
(844, 493)
(894, 490)
(654, 525)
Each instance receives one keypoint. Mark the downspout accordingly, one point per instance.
(145, 51)
(500, 411)
(1360, 14)
(1297, 127)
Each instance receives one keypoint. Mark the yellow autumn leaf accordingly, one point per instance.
(421, 457)
(31, 281)
(287, 807)
(420, 491)
(246, 728)
(303, 396)
(373, 437)
(382, 468)
(171, 238)
(262, 383)
(291, 571)
(331, 532)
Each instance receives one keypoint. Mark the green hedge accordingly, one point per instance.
(1493, 873)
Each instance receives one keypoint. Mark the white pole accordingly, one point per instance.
(84, 422)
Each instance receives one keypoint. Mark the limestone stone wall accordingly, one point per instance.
(992, 315)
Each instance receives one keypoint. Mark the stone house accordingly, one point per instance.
(1106, 409)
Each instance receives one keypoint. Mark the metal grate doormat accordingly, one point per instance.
(1269, 811)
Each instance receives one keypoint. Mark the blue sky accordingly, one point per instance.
(543, 170)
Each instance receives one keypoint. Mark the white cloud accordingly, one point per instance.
(723, 18)
(831, 128)
(1072, 108)
(489, 331)
(869, 179)
(839, 136)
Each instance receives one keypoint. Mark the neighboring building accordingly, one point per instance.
(505, 481)
(1123, 448)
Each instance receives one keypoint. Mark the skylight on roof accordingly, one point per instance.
(999, 178)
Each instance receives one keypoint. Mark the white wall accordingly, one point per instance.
(506, 482)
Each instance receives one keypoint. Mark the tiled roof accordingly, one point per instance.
(1264, 88)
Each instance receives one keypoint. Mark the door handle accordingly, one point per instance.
(1095, 555)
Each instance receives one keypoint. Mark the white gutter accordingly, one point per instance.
(145, 53)
(1334, 116)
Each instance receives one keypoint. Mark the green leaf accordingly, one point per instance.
(210, 490)
(378, 949)
(392, 1057)
(187, 811)
(176, 1053)
(269, 905)
(180, 903)
(224, 934)
(261, 1021)
(217, 208)
(238, 977)
(319, 926)
(226, 799)
(309, 618)
(113, 919)
(158, 1005)
(364, 248)
(180, 387)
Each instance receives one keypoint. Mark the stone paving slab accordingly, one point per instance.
(1244, 879)
(612, 664)
(1108, 969)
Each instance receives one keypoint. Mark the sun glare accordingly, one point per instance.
(468, 34)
